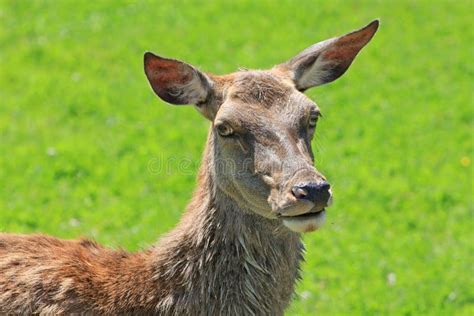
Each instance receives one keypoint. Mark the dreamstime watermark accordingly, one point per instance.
(171, 165)
(186, 166)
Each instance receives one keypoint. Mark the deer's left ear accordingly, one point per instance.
(328, 60)
(175, 81)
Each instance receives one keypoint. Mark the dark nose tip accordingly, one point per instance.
(312, 191)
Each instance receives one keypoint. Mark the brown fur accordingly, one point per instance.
(260, 87)
(237, 249)
(215, 262)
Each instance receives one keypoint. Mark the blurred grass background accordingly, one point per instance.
(80, 128)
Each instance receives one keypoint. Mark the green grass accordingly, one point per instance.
(79, 127)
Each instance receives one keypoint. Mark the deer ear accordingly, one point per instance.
(176, 82)
(328, 60)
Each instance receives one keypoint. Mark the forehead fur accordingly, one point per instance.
(260, 87)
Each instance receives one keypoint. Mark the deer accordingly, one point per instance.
(237, 248)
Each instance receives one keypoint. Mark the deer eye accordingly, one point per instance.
(313, 119)
(224, 130)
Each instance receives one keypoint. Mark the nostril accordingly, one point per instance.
(318, 193)
(299, 192)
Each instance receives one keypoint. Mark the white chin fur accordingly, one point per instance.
(305, 225)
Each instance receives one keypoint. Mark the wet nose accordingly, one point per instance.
(317, 193)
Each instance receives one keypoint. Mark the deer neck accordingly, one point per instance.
(219, 249)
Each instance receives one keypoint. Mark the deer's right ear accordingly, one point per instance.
(176, 82)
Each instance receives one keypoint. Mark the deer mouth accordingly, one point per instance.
(305, 223)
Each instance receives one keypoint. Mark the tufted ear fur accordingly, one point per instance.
(176, 82)
(328, 60)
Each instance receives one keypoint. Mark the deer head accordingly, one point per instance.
(262, 126)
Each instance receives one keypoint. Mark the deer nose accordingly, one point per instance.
(318, 193)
